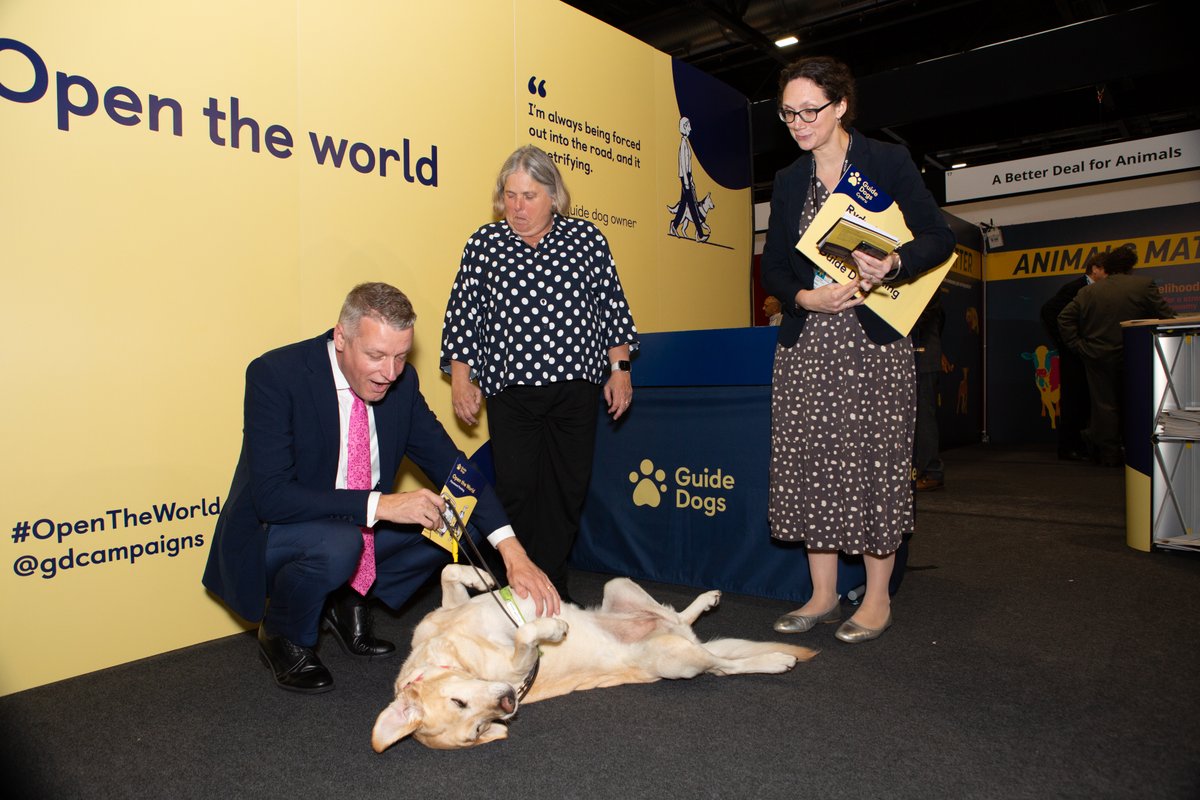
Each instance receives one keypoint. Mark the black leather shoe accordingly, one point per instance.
(348, 617)
(295, 668)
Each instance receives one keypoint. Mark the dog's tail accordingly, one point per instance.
(743, 648)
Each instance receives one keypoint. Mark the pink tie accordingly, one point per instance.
(358, 476)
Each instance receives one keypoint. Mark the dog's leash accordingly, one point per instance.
(457, 527)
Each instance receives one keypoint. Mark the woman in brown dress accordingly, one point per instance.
(844, 386)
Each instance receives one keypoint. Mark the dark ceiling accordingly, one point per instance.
(957, 81)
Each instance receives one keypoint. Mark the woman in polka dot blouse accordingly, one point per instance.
(538, 324)
(843, 402)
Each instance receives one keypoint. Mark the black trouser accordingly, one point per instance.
(543, 438)
(927, 463)
(1103, 433)
(1074, 403)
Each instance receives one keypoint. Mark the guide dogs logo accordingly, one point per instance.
(650, 487)
(864, 192)
(700, 490)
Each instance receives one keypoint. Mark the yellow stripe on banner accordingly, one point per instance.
(1169, 249)
(969, 263)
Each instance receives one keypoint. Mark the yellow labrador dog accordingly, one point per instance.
(460, 683)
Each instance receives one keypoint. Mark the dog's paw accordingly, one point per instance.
(542, 629)
(476, 579)
(552, 629)
(711, 599)
(468, 576)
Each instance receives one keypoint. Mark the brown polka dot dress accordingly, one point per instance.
(843, 409)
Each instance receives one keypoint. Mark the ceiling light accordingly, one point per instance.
(958, 166)
(787, 41)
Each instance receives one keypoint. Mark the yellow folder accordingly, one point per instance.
(856, 197)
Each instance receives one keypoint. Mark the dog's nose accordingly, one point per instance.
(508, 701)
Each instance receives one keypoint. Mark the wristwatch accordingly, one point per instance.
(619, 366)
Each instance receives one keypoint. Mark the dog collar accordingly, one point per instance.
(527, 684)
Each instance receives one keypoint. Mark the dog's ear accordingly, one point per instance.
(494, 731)
(396, 721)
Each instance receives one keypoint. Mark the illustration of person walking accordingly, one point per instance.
(687, 209)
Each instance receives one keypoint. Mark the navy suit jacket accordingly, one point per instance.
(1054, 306)
(785, 271)
(291, 444)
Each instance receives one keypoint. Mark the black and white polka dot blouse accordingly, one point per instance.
(528, 316)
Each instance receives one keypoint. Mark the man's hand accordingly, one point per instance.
(527, 580)
(422, 507)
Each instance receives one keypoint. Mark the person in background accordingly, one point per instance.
(311, 524)
(1074, 399)
(772, 310)
(1091, 326)
(843, 400)
(538, 324)
(928, 470)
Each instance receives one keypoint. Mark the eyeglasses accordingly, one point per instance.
(806, 114)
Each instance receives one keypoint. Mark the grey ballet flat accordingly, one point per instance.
(799, 623)
(852, 632)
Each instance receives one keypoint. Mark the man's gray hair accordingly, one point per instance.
(382, 301)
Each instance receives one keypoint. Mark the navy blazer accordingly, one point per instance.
(1054, 306)
(291, 444)
(785, 271)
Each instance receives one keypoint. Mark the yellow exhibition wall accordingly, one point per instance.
(609, 108)
(166, 218)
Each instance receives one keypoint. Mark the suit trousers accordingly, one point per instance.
(543, 438)
(1103, 433)
(1074, 402)
(307, 561)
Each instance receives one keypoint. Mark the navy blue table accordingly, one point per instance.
(679, 485)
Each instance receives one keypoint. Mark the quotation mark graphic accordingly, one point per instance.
(854, 179)
(650, 486)
(537, 87)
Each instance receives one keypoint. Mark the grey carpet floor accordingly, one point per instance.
(1033, 655)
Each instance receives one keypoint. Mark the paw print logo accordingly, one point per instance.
(650, 487)
(854, 178)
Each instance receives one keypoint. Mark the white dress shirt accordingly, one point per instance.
(345, 401)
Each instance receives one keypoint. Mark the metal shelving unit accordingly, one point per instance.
(1175, 480)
